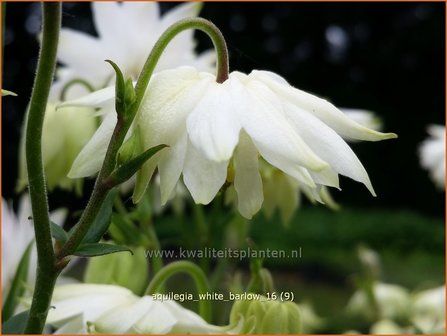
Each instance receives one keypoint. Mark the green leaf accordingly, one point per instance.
(99, 249)
(128, 169)
(16, 324)
(125, 230)
(58, 233)
(17, 286)
(102, 220)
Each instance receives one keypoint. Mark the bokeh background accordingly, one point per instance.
(384, 57)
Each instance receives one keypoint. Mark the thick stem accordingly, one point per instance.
(191, 269)
(46, 270)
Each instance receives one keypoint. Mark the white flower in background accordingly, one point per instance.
(386, 327)
(392, 300)
(86, 308)
(126, 34)
(17, 233)
(428, 310)
(432, 154)
(65, 133)
(208, 125)
(363, 117)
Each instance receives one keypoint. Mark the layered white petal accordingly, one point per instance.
(260, 113)
(213, 126)
(320, 108)
(90, 159)
(171, 166)
(158, 320)
(203, 177)
(328, 145)
(247, 180)
(98, 99)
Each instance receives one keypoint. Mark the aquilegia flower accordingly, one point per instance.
(86, 308)
(127, 32)
(432, 154)
(209, 125)
(17, 234)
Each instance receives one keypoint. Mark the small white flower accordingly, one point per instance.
(428, 310)
(126, 34)
(208, 125)
(392, 300)
(17, 233)
(432, 154)
(86, 308)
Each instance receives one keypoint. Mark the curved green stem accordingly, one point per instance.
(46, 270)
(73, 82)
(196, 274)
(190, 23)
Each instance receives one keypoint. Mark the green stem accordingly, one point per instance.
(157, 260)
(190, 23)
(73, 82)
(46, 270)
(196, 274)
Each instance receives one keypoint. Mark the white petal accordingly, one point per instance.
(212, 126)
(119, 320)
(261, 116)
(142, 16)
(182, 11)
(82, 52)
(320, 108)
(203, 177)
(108, 19)
(158, 320)
(97, 99)
(328, 145)
(171, 166)
(247, 180)
(76, 325)
(90, 300)
(90, 159)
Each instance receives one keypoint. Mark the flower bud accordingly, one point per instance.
(264, 316)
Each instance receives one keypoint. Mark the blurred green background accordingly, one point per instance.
(384, 57)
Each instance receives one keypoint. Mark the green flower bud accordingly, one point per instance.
(123, 269)
(264, 316)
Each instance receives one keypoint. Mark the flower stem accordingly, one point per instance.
(195, 272)
(46, 270)
(190, 23)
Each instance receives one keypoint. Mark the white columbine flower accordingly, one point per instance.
(86, 308)
(17, 233)
(392, 300)
(126, 34)
(428, 310)
(208, 125)
(432, 154)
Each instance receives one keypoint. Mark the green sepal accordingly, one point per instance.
(58, 233)
(128, 169)
(17, 286)
(16, 324)
(131, 148)
(124, 92)
(99, 249)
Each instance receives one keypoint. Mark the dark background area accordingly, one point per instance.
(384, 57)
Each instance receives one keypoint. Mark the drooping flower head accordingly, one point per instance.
(209, 125)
